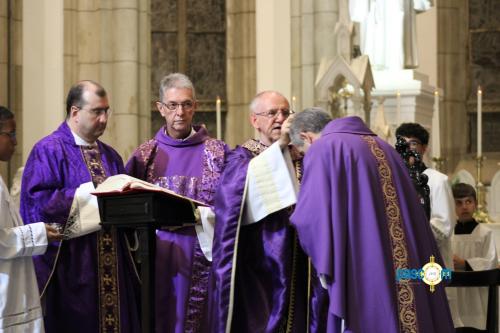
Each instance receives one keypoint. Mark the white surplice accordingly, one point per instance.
(443, 217)
(20, 309)
(443, 221)
(478, 249)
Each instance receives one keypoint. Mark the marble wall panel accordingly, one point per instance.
(206, 63)
(487, 79)
(164, 15)
(491, 128)
(484, 38)
(485, 48)
(206, 16)
(484, 14)
(164, 58)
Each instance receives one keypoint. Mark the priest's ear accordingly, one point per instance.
(72, 111)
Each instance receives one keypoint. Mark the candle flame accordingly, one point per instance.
(293, 98)
(436, 93)
(398, 93)
(218, 99)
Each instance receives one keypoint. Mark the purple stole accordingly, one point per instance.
(109, 298)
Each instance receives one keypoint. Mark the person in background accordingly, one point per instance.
(473, 250)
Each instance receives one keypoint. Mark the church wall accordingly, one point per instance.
(109, 42)
(189, 36)
(484, 70)
(468, 43)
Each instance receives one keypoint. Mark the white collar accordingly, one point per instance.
(81, 142)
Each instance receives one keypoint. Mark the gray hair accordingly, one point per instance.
(254, 104)
(310, 120)
(176, 80)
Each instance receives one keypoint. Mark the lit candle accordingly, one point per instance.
(437, 128)
(293, 103)
(398, 108)
(479, 122)
(218, 118)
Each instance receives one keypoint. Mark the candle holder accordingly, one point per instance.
(438, 163)
(481, 204)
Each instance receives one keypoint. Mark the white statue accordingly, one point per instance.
(388, 31)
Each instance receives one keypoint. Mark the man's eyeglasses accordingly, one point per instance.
(172, 106)
(273, 113)
(97, 112)
(12, 135)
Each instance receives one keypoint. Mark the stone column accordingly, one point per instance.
(16, 80)
(113, 48)
(452, 78)
(4, 67)
(241, 69)
(4, 51)
(313, 39)
(273, 46)
(42, 77)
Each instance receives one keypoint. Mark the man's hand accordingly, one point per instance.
(284, 140)
(458, 263)
(52, 233)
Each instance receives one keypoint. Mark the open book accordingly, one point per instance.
(126, 184)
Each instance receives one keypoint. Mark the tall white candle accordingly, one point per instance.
(293, 104)
(398, 108)
(479, 122)
(437, 128)
(218, 118)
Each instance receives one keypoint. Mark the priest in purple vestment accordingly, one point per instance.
(88, 283)
(260, 273)
(359, 220)
(184, 159)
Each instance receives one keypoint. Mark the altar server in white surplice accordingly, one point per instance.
(20, 309)
(474, 250)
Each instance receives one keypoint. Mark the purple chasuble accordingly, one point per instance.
(89, 283)
(192, 168)
(359, 219)
(259, 271)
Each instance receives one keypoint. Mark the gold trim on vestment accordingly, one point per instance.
(405, 294)
(107, 258)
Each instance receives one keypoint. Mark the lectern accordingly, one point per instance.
(146, 211)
